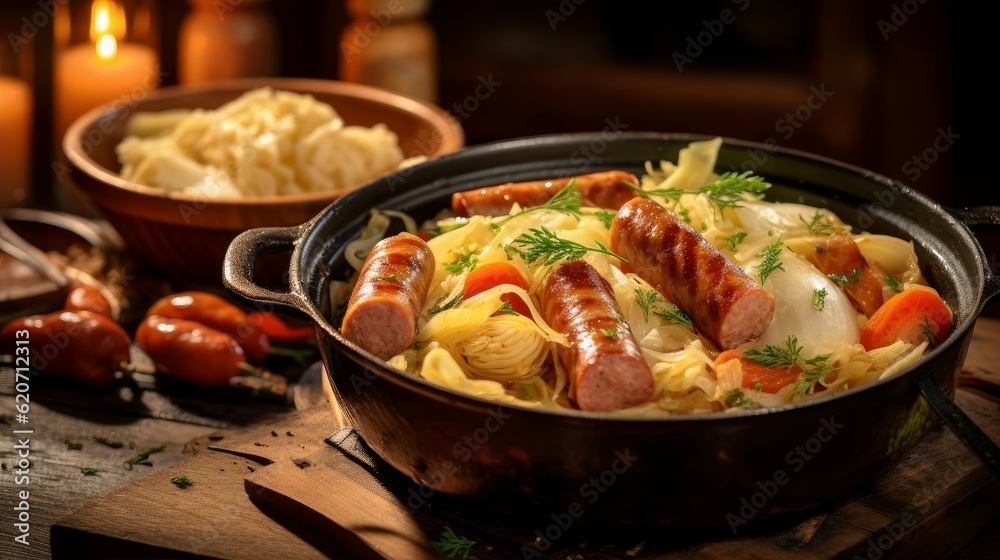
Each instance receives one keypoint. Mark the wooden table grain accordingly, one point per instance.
(57, 486)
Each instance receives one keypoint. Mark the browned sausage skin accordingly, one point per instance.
(606, 189)
(603, 361)
(382, 312)
(724, 303)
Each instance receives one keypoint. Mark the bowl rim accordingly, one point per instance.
(80, 158)
(442, 393)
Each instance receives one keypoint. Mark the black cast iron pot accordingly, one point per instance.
(699, 470)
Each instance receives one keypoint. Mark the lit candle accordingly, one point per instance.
(15, 140)
(91, 75)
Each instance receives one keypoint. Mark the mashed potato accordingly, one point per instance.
(265, 142)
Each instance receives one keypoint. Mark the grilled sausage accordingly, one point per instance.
(605, 366)
(602, 190)
(383, 309)
(724, 303)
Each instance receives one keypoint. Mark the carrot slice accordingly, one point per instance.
(840, 258)
(486, 276)
(913, 316)
(768, 380)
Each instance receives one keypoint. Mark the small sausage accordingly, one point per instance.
(190, 351)
(79, 346)
(603, 361)
(382, 312)
(602, 190)
(217, 313)
(87, 298)
(726, 305)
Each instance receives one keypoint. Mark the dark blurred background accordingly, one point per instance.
(890, 85)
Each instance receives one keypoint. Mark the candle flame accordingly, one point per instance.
(107, 18)
(107, 47)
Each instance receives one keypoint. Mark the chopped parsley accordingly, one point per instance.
(733, 241)
(507, 309)
(610, 333)
(87, 471)
(444, 303)
(895, 283)
(819, 299)
(770, 260)
(606, 217)
(74, 445)
(737, 398)
(843, 280)
(181, 482)
(758, 386)
(112, 443)
(685, 214)
(466, 262)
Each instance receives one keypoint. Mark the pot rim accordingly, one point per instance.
(475, 403)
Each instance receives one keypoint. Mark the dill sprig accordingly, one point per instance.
(674, 314)
(454, 546)
(812, 371)
(568, 201)
(506, 309)
(789, 356)
(468, 261)
(770, 260)
(646, 301)
(733, 241)
(819, 299)
(929, 334)
(819, 224)
(725, 192)
(542, 244)
(143, 456)
(773, 355)
(895, 283)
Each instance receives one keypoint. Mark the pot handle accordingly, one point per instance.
(961, 425)
(982, 216)
(237, 270)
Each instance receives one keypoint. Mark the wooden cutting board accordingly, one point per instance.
(285, 493)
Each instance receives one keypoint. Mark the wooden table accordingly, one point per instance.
(142, 501)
